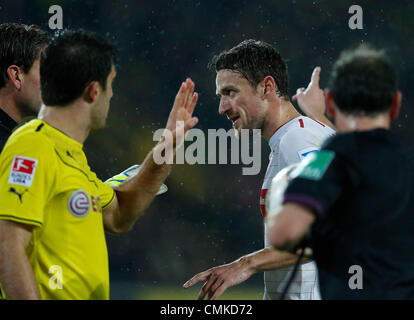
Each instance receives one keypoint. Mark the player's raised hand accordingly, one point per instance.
(311, 100)
(182, 111)
(218, 279)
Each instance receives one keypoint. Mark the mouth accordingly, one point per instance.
(234, 120)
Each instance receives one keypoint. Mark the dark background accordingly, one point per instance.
(210, 214)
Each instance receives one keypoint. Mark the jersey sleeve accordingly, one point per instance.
(296, 144)
(321, 178)
(106, 193)
(27, 175)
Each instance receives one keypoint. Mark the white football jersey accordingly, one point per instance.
(290, 144)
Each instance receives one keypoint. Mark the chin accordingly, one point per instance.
(98, 126)
(30, 109)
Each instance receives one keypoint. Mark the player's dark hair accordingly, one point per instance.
(20, 45)
(71, 62)
(255, 60)
(363, 81)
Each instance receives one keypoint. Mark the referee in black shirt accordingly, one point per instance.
(20, 48)
(356, 193)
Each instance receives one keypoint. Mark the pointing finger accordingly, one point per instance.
(315, 76)
(196, 279)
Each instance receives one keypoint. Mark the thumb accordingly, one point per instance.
(190, 123)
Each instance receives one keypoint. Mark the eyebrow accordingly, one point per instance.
(226, 88)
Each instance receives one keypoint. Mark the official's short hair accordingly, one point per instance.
(73, 59)
(20, 45)
(363, 81)
(255, 60)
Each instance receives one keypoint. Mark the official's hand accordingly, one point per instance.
(218, 279)
(311, 100)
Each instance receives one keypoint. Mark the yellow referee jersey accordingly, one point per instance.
(45, 181)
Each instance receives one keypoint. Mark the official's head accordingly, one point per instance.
(364, 84)
(249, 77)
(79, 66)
(20, 48)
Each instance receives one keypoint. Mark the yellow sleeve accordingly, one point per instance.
(106, 193)
(27, 175)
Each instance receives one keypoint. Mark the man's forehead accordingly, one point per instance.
(227, 77)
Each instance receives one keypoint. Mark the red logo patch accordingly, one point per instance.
(22, 171)
(23, 165)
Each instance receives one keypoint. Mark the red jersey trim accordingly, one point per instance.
(319, 123)
(263, 193)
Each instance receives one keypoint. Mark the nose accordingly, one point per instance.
(224, 107)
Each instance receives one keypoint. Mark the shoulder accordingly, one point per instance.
(342, 142)
(27, 140)
(296, 143)
(298, 137)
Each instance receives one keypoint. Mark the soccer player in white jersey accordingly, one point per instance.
(252, 83)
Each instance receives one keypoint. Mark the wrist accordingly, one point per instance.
(249, 263)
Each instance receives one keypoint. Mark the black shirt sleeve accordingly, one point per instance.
(322, 177)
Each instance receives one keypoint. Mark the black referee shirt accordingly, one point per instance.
(7, 125)
(361, 188)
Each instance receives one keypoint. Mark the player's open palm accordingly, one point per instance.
(182, 111)
(218, 279)
(311, 100)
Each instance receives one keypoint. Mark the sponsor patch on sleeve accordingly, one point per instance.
(22, 171)
(314, 166)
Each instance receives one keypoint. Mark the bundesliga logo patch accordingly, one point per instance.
(22, 171)
(79, 203)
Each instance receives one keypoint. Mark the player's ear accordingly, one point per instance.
(15, 75)
(268, 86)
(92, 91)
(396, 105)
(330, 108)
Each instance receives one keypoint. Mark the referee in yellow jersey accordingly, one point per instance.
(53, 208)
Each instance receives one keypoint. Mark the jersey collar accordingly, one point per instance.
(61, 135)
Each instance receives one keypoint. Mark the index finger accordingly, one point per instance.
(202, 276)
(315, 76)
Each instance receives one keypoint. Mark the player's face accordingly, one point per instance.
(239, 101)
(29, 100)
(101, 110)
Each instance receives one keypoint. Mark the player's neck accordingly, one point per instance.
(73, 120)
(278, 115)
(346, 123)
